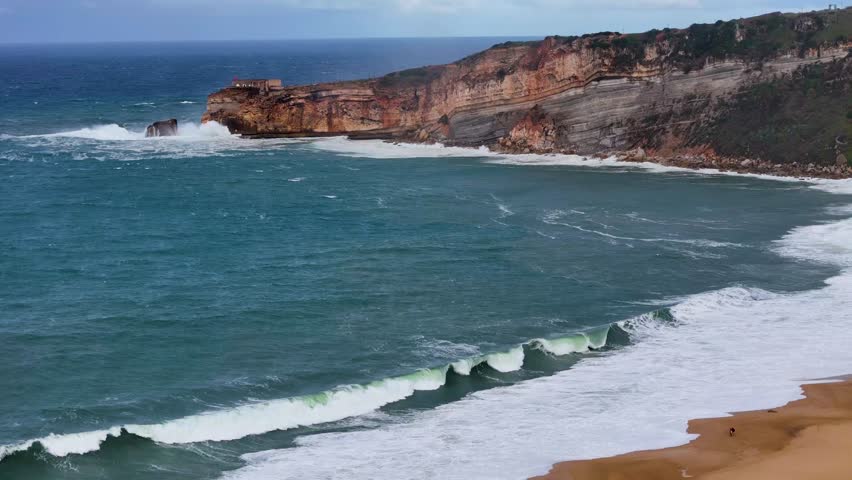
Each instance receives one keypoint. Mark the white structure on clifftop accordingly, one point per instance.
(264, 85)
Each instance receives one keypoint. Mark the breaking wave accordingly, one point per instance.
(333, 405)
(116, 142)
(704, 357)
(114, 132)
(697, 371)
(768, 353)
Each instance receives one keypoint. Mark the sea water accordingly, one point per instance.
(206, 306)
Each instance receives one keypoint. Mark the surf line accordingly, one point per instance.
(324, 407)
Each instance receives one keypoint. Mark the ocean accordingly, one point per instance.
(205, 307)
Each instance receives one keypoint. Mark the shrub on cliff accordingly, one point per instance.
(793, 119)
(412, 77)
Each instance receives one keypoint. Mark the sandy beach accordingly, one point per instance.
(808, 439)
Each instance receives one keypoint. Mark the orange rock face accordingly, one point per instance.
(419, 99)
(585, 95)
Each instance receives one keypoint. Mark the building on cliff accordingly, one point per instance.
(264, 85)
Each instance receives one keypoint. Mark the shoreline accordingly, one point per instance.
(704, 160)
(742, 165)
(806, 439)
(701, 161)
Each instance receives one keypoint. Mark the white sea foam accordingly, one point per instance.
(505, 362)
(102, 132)
(386, 150)
(728, 350)
(575, 344)
(843, 186)
(829, 243)
(114, 142)
(722, 348)
(466, 365)
(114, 132)
(62, 445)
(283, 414)
(390, 150)
(254, 418)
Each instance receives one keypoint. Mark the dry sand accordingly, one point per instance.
(809, 439)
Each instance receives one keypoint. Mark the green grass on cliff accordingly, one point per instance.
(839, 27)
(412, 77)
(754, 39)
(792, 119)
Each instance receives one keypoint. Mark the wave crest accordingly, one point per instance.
(324, 407)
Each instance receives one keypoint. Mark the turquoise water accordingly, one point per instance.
(204, 305)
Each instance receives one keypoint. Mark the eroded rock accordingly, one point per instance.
(163, 128)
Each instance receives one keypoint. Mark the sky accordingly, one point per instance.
(72, 21)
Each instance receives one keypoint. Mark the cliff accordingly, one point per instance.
(666, 92)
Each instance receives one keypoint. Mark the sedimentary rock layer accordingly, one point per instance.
(598, 93)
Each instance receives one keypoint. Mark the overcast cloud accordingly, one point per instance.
(164, 20)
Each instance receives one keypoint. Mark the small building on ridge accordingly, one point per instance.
(264, 85)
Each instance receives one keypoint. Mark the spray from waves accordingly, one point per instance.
(288, 413)
(118, 143)
(117, 133)
(104, 133)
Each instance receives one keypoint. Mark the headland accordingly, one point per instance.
(768, 94)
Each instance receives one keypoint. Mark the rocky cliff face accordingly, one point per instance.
(586, 95)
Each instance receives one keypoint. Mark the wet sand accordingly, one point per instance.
(808, 439)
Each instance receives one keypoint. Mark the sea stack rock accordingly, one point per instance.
(163, 128)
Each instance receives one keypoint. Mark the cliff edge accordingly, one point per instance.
(774, 89)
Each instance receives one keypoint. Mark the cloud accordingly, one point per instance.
(438, 6)
(625, 4)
